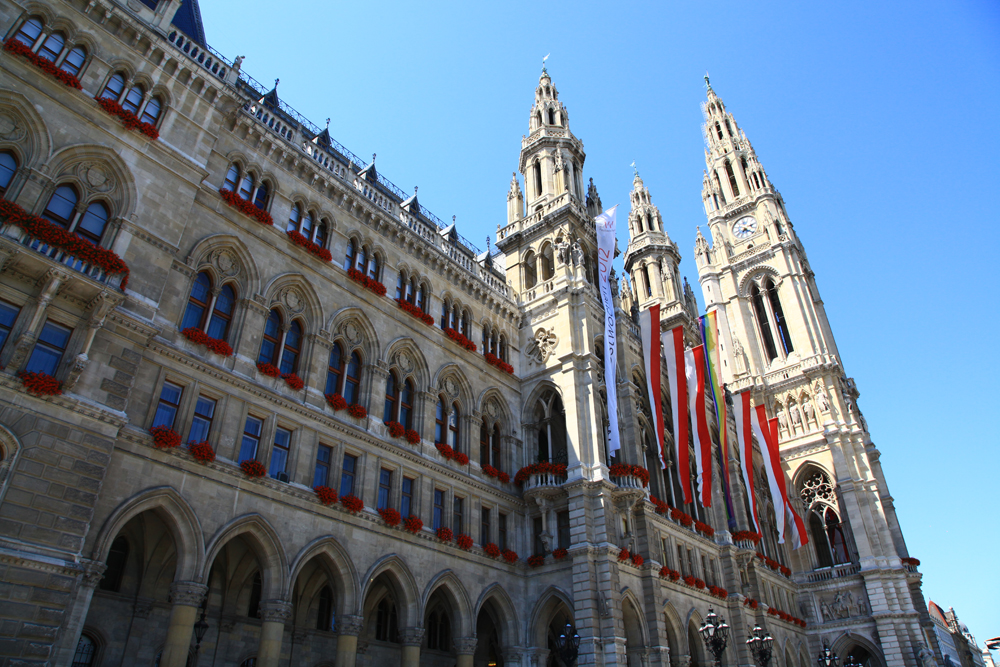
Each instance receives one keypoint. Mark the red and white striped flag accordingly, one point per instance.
(649, 327)
(789, 516)
(673, 348)
(746, 426)
(694, 368)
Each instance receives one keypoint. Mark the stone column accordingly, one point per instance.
(186, 597)
(411, 639)
(347, 640)
(274, 613)
(76, 614)
(465, 647)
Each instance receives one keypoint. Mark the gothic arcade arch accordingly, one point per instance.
(263, 540)
(295, 297)
(98, 172)
(552, 603)
(463, 624)
(29, 137)
(226, 257)
(404, 354)
(393, 570)
(353, 326)
(344, 576)
(496, 596)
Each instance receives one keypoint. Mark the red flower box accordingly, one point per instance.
(336, 401)
(461, 458)
(127, 118)
(785, 571)
(699, 584)
(623, 555)
(396, 429)
(356, 410)
(444, 534)
(637, 560)
(216, 345)
(536, 561)
(303, 242)
(460, 339)
(412, 436)
(15, 46)
(413, 524)
(40, 384)
(542, 467)
(753, 603)
(661, 507)
(253, 469)
(55, 236)
(681, 517)
(165, 438)
(718, 592)
(666, 572)
(559, 554)
(464, 541)
(202, 451)
(509, 556)
(494, 360)
(369, 284)
(704, 528)
(492, 550)
(269, 370)
(910, 561)
(746, 536)
(293, 381)
(628, 470)
(503, 477)
(445, 450)
(352, 503)
(416, 312)
(246, 207)
(390, 516)
(689, 580)
(326, 495)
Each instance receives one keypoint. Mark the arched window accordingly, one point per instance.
(92, 222)
(194, 314)
(646, 281)
(538, 179)
(262, 195)
(351, 257)
(546, 261)
(86, 650)
(321, 234)
(406, 404)
(292, 347)
(232, 176)
(779, 315)
(117, 559)
(352, 381)
(530, 275)
(374, 266)
(552, 116)
(732, 179)
(133, 99)
(29, 31)
(335, 370)
(246, 186)
(484, 445)
(293, 218)
(60, 207)
(391, 398)
(386, 624)
(8, 166)
(718, 130)
(763, 324)
(421, 297)
(52, 46)
(495, 446)
(440, 426)
(503, 348)
(550, 422)
(114, 87)
(62, 210)
(271, 344)
(445, 314)
(454, 417)
(73, 62)
(324, 613)
(151, 112)
(729, 129)
(222, 313)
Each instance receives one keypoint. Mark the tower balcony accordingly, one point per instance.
(632, 482)
(541, 480)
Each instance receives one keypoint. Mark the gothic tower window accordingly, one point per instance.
(825, 528)
(732, 179)
(763, 325)
(718, 130)
(550, 428)
(530, 275)
(537, 169)
(779, 315)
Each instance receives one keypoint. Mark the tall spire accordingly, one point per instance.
(651, 258)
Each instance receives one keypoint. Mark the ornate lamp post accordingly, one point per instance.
(759, 642)
(200, 628)
(715, 632)
(568, 645)
(851, 662)
(827, 658)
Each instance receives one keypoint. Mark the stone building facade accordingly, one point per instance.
(289, 308)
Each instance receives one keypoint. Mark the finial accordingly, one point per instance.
(487, 243)
(635, 169)
(707, 84)
(544, 71)
(415, 188)
(373, 157)
(328, 123)
(453, 219)
(276, 82)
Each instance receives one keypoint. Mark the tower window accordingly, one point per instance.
(779, 316)
(718, 130)
(552, 117)
(763, 324)
(732, 179)
(538, 179)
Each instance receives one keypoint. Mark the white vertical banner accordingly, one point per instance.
(605, 255)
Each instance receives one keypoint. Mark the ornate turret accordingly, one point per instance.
(515, 200)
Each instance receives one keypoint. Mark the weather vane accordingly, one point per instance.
(707, 84)
(634, 168)
(543, 62)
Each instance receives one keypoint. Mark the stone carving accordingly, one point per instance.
(782, 420)
(350, 331)
(411, 636)
(275, 611)
(492, 409)
(824, 405)
(466, 645)
(796, 415)
(843, 606)
(292, 298)
(925, 656)
(187, 593)
(817, 487)
(404, 361)
(450, 387)
(542, 345)
(562, 250)
(808, 408)
(577, 254)
(226, 262)
(350, 625)
(96, 176)
(10, 128)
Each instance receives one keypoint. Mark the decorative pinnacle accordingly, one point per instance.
(276, 82)
(544, 71)
(415, 188)
(373, 157)
(487, 243)
(634, 168)
(328, 123)
(453, 219)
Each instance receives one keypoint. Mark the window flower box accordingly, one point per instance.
(165, 438)
(444, 534)
(127, 118)
(746, 536)
(357, 410)
(16, 47)
(704, 528)
(461, 458)
(413, 524)
(336, 401)
(396, 429)
(681, 518)
(492, 550)
(536, 560)
(628, 470)
(293, 381)
(719, 592)
(352, 503)
(246, 207)
(509, 555)
(559, 554)
(55, 236)
(540, 468)
(312, 248)
(460, 339)
(326, 495)
(689, 580)
(699, 584)
(490, 471)
(623, 555)
(269, 369)
(660, 506)
(369, 284)
(494, 360)
(412, 436)
(390, 516)
(40, 384)
(464, 541)
(199, 337)
(637, 560)
(415, 312)
(253, 469)
(667, 573)
(201, 451)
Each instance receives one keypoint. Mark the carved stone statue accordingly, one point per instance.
(824, 406)
(782, 420)
(796, 415)
(925, 656)
(562, 250)
(577, 254)
(808, 408)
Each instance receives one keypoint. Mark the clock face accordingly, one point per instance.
(744, 228)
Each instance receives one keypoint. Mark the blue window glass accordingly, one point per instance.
(8, 314)
(347, 475)
(222, 314)
(384, 488)
(49, 349)
(198, 302)
(406, 498)
(321, 477)
(251, 439)
(201, 425)
(8, 165)
(166, 410)
(279, 454)
(272, 338)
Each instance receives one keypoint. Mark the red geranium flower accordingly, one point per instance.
(216, 345)
(127, 118)
(559, 554)
(352, 503)
(623, 555)
(396, 429)
(269, 369)
(327, 496)
(461, 458)
(336, 401)
(638, 560)
(246, 207)
(40, 384)
(302, 241)
(446, 451)
(412, 436)
(464, 541)
(492, 550)
(536, 560)
(252, 468)
(164, 437)
(201, 451)
(16, 47)
(390, 516)
(413, 524)
(358, 411)
(293, 381)
(444, 534)
(508, 555)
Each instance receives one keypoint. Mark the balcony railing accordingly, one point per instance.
(829, 573)
(92, 271)
(543, 481)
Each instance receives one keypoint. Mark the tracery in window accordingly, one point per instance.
(133, 99)
(772, 326)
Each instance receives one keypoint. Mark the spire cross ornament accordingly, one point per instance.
(276, 82)
(373, 157)
(634, 168)
(707, 84)
(543, 62)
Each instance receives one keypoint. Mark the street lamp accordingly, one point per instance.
(200, 628)
(827, 658)
(568, 645)
(715, 632)
(851, 662)
(759, 643)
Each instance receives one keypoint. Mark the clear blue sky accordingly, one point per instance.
(877, 122)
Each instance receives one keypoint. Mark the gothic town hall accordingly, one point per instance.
(260, 407)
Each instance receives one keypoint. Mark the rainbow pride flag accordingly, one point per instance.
(710, 337)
